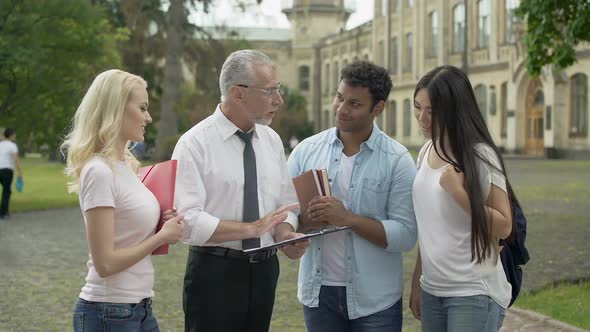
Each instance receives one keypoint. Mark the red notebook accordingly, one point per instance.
(160, 179)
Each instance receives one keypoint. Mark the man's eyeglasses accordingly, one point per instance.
(267, 91)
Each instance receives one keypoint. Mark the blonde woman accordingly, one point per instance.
(120, 213)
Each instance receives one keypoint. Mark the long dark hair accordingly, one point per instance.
(456, 116)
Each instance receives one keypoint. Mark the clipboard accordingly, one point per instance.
(309, 235)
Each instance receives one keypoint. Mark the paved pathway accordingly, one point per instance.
(520, 320)
(517, 320)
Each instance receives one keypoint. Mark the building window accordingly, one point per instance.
(336, 77)
(579, 105)
(326, 119)
(503, 109)
(394, 5)
(304, 78)
(481, 96)
(379, 119)
(483, 24)
(407, 118)
(392, 119)
(384, 7)
(492, 100)
(381, 53)
(393, 56)
(327, 80)
(509, 20)
(409, 52)
(459, 28)
(433, 34)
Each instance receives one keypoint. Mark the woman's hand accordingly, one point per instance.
(169, 214)
(452, 180)
(415, 304)
(173, 226)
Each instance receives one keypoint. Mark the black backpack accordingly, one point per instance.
(514, 253)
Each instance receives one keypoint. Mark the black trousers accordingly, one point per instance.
(6, 175)
(228, 295)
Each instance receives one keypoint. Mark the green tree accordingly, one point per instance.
(554, 28)
(49, 52)
(159, 30)
(291, 120)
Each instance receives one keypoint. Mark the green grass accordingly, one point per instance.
(43, 253)
(45, 187)
(569, 302)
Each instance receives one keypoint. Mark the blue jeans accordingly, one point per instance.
(477, 313)
(332, 315)
(115, 317)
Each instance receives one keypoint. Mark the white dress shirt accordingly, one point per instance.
(210, 178)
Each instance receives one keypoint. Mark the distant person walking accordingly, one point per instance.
(8, 162)
(293, 141)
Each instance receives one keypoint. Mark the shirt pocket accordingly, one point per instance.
(374, 194)
(269, 190)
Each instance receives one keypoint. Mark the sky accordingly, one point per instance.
(267, 14)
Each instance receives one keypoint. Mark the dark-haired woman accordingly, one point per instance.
(462, 211)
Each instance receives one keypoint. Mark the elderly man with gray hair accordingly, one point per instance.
(235, 192)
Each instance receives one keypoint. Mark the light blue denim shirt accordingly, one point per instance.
(381, 189)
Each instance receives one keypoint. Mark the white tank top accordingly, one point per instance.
(444, 235)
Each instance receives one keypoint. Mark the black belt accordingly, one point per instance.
(260, 256)
(145, 302)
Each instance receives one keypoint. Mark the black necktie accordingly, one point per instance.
(250, 212)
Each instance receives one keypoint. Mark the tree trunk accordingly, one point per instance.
(168, 126)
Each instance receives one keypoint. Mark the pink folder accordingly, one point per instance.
(160, 179)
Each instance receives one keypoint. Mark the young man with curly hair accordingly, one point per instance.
(352, 280)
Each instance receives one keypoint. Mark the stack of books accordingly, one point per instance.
(310, 184)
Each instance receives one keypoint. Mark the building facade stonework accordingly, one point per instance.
(544, 116)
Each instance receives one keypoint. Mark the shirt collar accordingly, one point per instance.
(371, 143)
(227, 128)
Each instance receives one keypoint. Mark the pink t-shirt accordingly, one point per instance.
(136, 215)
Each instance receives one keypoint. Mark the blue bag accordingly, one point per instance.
(514, 253)
(19, 184)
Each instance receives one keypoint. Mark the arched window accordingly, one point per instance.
(409, 52)
(393, 57)
(510, 19)
(327, 80)
(379, 119)
(579, 105)
(336, 77)
(326, 123)
(407, 117)
(492, 100)
(481, 96)
(304, 78)
(458, 27)
(433, 34)
(392, 119)
(503, 108)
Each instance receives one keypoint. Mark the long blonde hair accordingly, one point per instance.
(96, 126)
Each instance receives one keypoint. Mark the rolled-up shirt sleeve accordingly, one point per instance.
(190, 198)
(400, 228)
